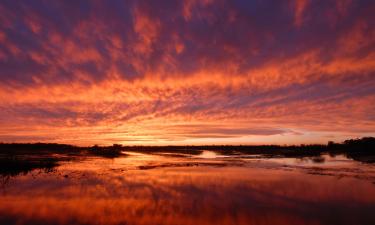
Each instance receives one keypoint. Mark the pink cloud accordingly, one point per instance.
(186, 72)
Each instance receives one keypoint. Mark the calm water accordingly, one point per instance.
(180, 189)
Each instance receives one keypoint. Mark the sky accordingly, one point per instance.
(186, 71)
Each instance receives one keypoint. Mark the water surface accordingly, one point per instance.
(180, 188)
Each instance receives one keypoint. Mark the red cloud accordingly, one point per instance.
(187, 72)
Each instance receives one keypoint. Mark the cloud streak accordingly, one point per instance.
(180, 72)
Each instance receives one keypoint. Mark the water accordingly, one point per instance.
(170, 188)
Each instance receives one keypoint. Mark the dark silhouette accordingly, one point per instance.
(108, 151)
(358, 149)
(18, 158)
(12, 166)
(363, 145)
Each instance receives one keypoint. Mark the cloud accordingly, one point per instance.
(300, 7)
(139, 70)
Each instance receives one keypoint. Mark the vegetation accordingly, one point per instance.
(358, 149)
(13, 166)
(21, 158)
(363, 145)
(108, 151)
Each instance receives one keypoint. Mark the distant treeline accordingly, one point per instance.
(16, 158)
(364, 145)
(36, 148)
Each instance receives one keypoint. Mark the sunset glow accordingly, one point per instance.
(187, 72)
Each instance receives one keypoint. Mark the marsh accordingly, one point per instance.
(183, 187)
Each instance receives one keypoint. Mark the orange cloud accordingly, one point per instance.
(191, 72)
